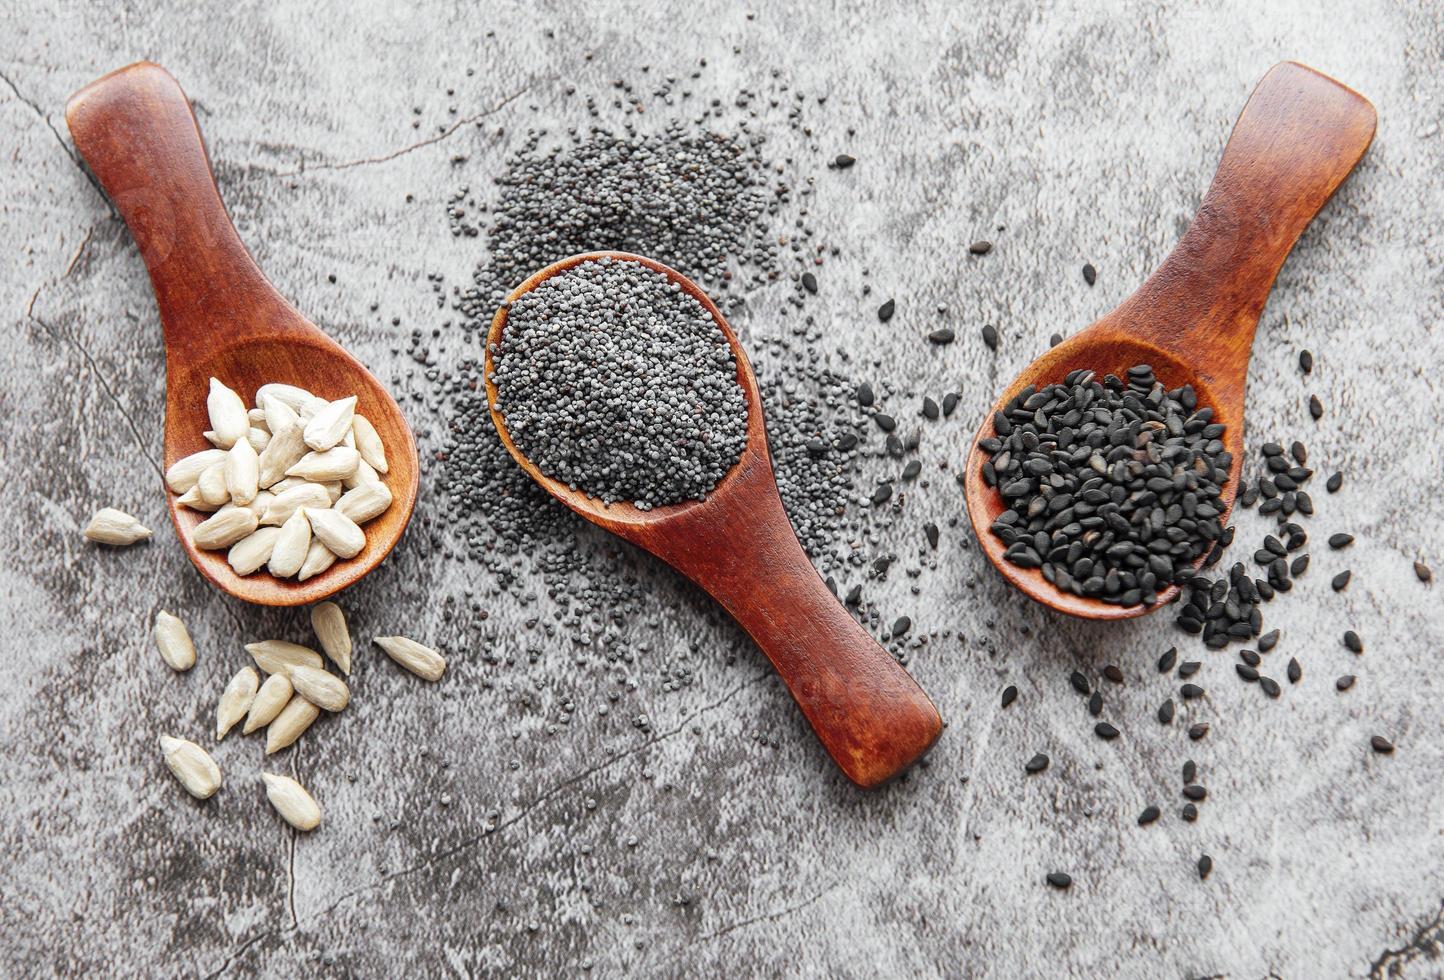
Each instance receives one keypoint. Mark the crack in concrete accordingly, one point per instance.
(105, 384)
(384, 158)
(773, 916)
(1428, 940)
(64, 146)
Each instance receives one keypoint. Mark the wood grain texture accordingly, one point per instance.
(685, 820)
(739, 546)
(1193, 320)
(222, 318)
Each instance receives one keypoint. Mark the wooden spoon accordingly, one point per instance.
(220, 316)
(739, 546)
(1298, 137)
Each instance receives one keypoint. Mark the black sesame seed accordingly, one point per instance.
(1352, 641)
(885, 422)
(1190, 771)
(1148, 816)
(1251, 658)
(1165, 712)
(1095, 703)
(901, 626)
(1306, 362)
(1246, 672)
(1345, 682)
(1270, 686)
(942, 335)
(1205, 865)
(1090, 274)
(1189, 812)
(1169, 658)
(1381, 744)
(1316, 407)
(980, 248)
(1038, 763)
(1334, 482)
(1105, 731)
(1189, 667)
(843, 161)
(1010, 694)
(865, 396)
(809, 282)
(886, 310)
(1198, 731)
(1113, 673)
(1191, 692)
(1195, 792)
(1079, 682)
(1058, 879)
(930, 409)
(1268, 641)
(1423, 572)
(1295, 672)
(1340, 540)
(1341, 581)
(990, 336)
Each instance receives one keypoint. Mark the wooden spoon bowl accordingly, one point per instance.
(1193, 320)
(221, 317)
(739, 546)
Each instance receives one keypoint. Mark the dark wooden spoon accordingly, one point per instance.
(220, 316)
(739, 546)
(1298, 137)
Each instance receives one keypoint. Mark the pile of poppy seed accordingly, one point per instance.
(615, 381)
(1112, 486)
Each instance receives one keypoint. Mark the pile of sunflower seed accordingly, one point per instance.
(1112, 486)
(618, 383)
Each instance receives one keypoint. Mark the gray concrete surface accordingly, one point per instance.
(460, 837)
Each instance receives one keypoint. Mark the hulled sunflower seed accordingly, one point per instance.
(292, 802)
(290, 724)
(259, 439)
(283, 452)
(328, 426)
(270, 699)
(318, 559)
(364, 474)
(223, 528)
(365, 502)
(291, 396)
(420, 660)
(279, 656)
(212, 485)
(258, 418)
(336, 531)
(279, 414)
(173, 641)
(368, 443)
(192, 499)
(236, 700)
(329, 624)
(186, 472)
(310, 407)
(253, 551)
(335, 463)
(115, 527)
(191, 764)
(228, 415)
(322, 689)
(292, 499)
(291, 546)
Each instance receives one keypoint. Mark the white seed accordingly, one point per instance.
(283, 452)
(173, 641)
(213, 439)
(279, 414)
(223, 528)
(279, 656)
(261, 504)
(257, 417)
(290, 724)
(191, 764)
(334, 489)
(310, 407)
(365, 502)
(258, 438)
(192, 499)
(329, 624)
(336, 531)
(111, 526)
(228, 415)
(348, 440)
(253, 551)
(420, 660)
(292, 499)
(291, 481)
(322, 689)
(212, 485)
(242, 472)
(270, 699)
(364, 474)
(318, 559)
(335, 463)
(185, 472)
(236, 700)
(292, 802)
(291, 546)
(288, 395)
(368, 443)
(330, 424)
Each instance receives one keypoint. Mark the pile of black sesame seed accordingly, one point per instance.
(1112, 487)
(616, 382)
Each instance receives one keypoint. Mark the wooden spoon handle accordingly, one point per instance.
(1298, 137)
(867, 711)
(135, 129)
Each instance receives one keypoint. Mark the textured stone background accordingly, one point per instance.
(461, 838)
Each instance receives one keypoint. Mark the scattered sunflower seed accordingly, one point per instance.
(274, 695)
(292, 802)
(422, 661)
(290, 724)
(173, 641)
(115, 527)
(236, 700)
(192, 765)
